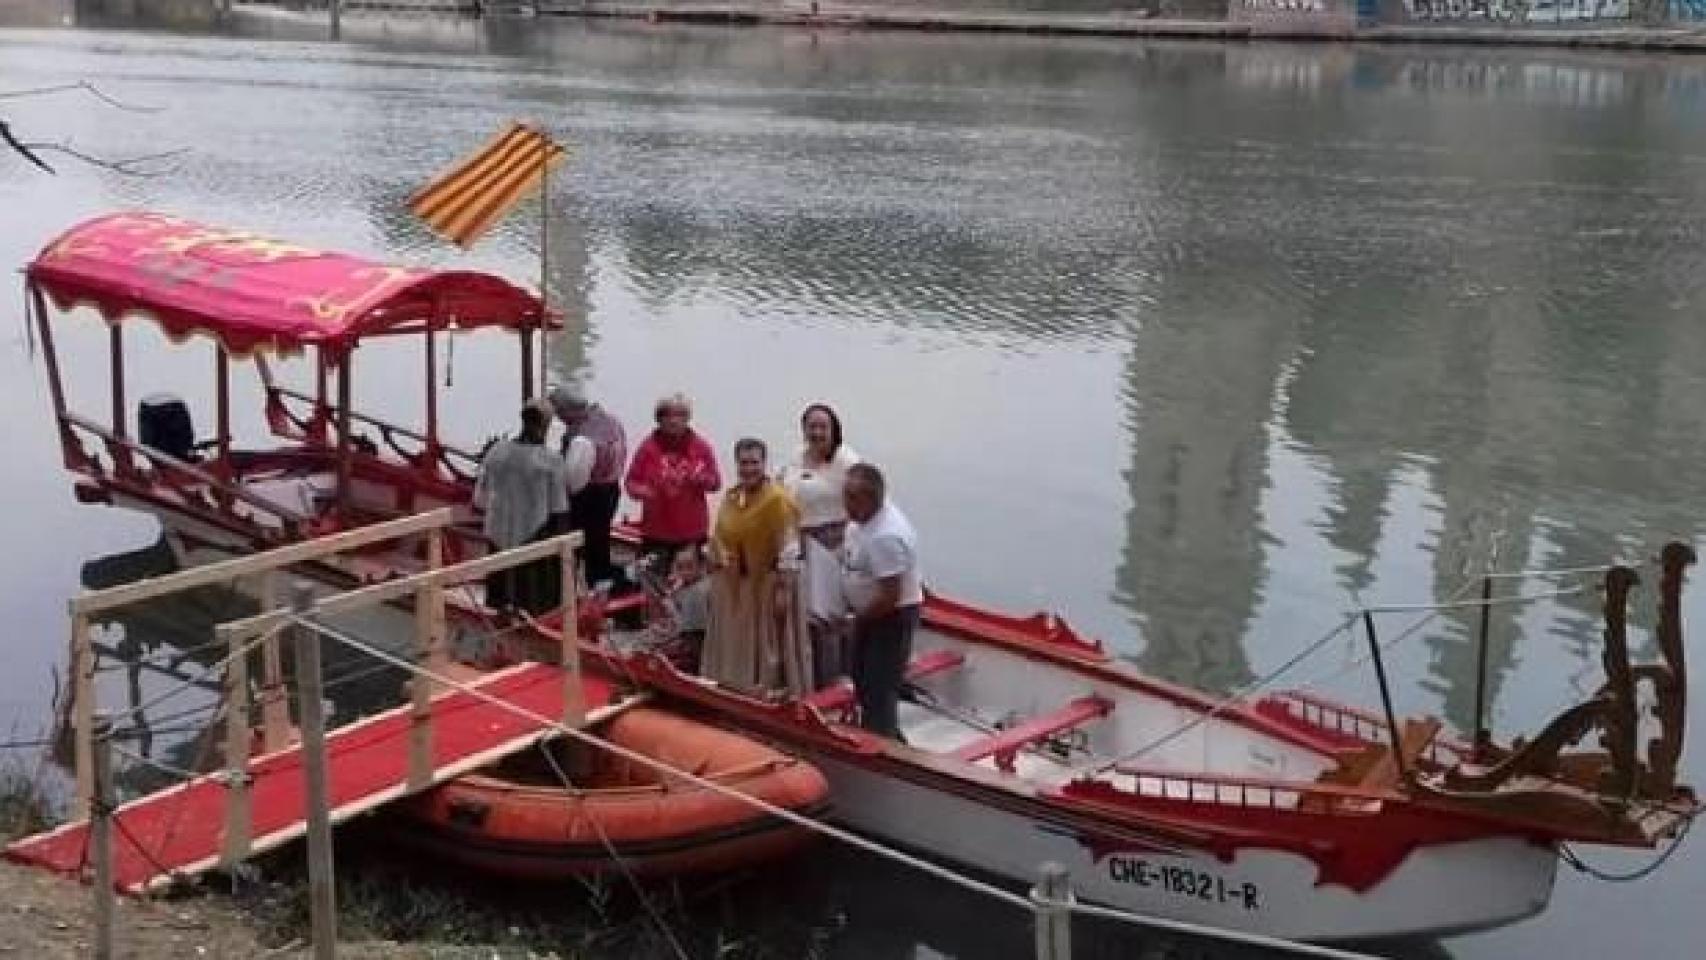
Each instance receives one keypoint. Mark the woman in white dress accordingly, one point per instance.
(814, 479)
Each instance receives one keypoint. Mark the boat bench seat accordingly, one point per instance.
(841, 695)
(1003, 746)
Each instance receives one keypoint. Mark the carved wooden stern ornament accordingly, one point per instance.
(1614, 794)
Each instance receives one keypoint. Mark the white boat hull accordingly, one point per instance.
(1437, 890)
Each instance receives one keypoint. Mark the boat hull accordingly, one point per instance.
(1437, 890)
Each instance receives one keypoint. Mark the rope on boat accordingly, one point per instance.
(817, 826)
(1542, 574)
(1475, 602)
(1261, 683)
(1362, 658)
(616, 855)
(1574, 859)
(1226, 703)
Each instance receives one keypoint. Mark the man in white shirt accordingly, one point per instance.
(884, 588)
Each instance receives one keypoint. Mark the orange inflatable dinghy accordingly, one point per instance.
(518, 819)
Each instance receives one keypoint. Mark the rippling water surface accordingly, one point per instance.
(1198, 344)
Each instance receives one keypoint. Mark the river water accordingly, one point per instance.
(1199, 345)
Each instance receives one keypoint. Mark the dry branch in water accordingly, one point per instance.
(32, 150)
(84, 86)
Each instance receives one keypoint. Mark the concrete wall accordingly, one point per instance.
(36, 13)
(167, 13)
(1333, 16)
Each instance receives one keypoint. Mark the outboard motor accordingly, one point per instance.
(163, 422)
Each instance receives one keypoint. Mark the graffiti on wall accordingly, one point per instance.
(1523, 11)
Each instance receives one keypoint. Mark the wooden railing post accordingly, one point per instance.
(275, 699)
(429, 632)
(83, 712)
(237, 734)
(322, 897)
(574, 698)
(1052, 897)
(101, 835)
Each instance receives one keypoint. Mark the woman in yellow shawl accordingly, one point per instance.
(756, 639)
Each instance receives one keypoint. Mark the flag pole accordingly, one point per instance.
(544, 261)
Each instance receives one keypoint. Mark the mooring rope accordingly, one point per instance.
(1574, 859)
(616, 855)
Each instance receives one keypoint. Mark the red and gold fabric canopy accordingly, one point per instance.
(251, 292)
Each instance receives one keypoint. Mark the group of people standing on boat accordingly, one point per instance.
(802, 575)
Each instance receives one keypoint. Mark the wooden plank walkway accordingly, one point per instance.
(180, 831)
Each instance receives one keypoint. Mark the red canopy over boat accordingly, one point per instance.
(253, 292)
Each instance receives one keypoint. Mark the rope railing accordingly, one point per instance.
(216, 667)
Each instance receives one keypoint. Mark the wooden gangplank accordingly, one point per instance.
(181, 831)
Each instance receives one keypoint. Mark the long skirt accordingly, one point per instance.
(535, 586)
(757, 638)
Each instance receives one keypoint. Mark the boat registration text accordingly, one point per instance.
(1184, 882)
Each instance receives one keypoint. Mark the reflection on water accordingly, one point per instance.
(1319, 323)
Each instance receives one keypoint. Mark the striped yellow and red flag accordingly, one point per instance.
(464, 201)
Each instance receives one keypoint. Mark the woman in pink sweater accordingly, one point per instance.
(673, 471)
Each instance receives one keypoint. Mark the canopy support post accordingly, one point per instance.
(115, 340)
(345, 368)
(431, 451)
(526, 365)
(50, 356)
(574, 696)
(321, 395)
(222, 384)
(56, 388)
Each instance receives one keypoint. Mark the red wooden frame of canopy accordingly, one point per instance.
(253, 295)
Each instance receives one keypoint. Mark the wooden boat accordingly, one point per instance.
(253, 296)
(518, 819)
(1293, 816)
(266, 301)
